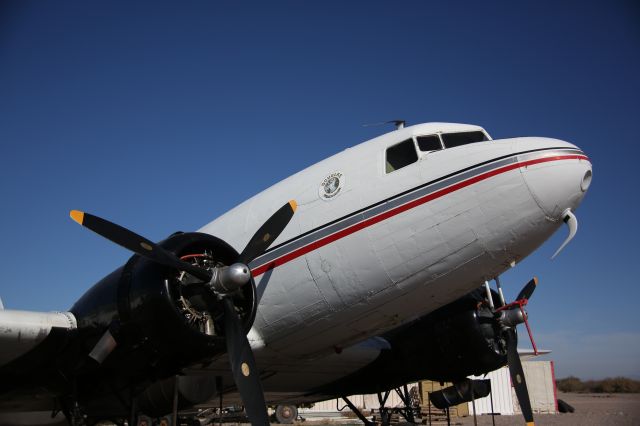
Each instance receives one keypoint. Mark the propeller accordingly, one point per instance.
(222, 281)
(136, 243)
(528, 289)
(509, 316)
(268, 232)
(517, 375)
(243, 366)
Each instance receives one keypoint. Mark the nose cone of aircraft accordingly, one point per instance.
(558, 177)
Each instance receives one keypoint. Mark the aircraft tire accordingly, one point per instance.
(286, 414)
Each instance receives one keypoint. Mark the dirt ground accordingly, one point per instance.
(590, 409)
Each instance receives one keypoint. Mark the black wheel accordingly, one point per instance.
(286, 414)
(144, 421)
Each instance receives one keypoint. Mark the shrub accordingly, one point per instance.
(608, 385)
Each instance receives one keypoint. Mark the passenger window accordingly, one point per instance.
(456, 139)
(401, 155)
(429, 143)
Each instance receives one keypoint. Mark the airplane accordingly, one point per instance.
(358, 274)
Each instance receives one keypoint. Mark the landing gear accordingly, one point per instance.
(75, 415)
(71, 408)
(144, 421)
(286, 414)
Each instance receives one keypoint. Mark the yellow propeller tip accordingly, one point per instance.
(535, 280)
(293, 205)
(77, 215)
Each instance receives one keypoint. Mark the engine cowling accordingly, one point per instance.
(447, 345)
(160, 320)
(464, 339)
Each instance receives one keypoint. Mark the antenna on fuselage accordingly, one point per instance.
(398, 123)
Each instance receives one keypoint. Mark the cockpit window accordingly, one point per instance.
(429, 143)
(456, 139)
(401, 155)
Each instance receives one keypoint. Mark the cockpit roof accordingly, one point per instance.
(430, 128)
(409, 132)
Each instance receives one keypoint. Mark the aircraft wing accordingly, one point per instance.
(29, 343)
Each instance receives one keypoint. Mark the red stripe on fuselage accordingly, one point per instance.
(403, 208)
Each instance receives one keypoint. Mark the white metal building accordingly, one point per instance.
(540, 383)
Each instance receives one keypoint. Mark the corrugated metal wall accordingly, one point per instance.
(503, 398)
(364, 402)
(540, 384)
(539, 375)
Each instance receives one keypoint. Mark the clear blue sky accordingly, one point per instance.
(163, 116)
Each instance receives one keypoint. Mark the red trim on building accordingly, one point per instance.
(555, 388)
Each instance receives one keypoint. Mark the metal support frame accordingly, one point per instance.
(493, 414)
(357, 412)
(133, 409)
(220, 397)
(385, 414)
(174, 411)
(409, 412)
(473, 403)
(383, 400)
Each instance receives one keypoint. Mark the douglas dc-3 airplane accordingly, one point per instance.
(375, 274)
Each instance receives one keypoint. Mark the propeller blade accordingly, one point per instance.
(517, 375)
(528, 289)
(268, 232)
(136, 243)
(243, 366)
(572, 222)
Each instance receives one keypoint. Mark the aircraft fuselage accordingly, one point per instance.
(385, 247)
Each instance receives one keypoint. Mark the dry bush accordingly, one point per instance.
(608, 385)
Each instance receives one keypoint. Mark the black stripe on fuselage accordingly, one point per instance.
(398, 196)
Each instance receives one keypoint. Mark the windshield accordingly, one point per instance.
(456, 139)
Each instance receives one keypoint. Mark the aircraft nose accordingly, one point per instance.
(558, 178)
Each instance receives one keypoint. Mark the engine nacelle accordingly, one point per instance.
(461, 339)
(160, 320)
(451, 343)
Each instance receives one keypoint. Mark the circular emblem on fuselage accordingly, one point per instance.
(331, 186)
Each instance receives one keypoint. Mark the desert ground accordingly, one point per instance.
(590, 409)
